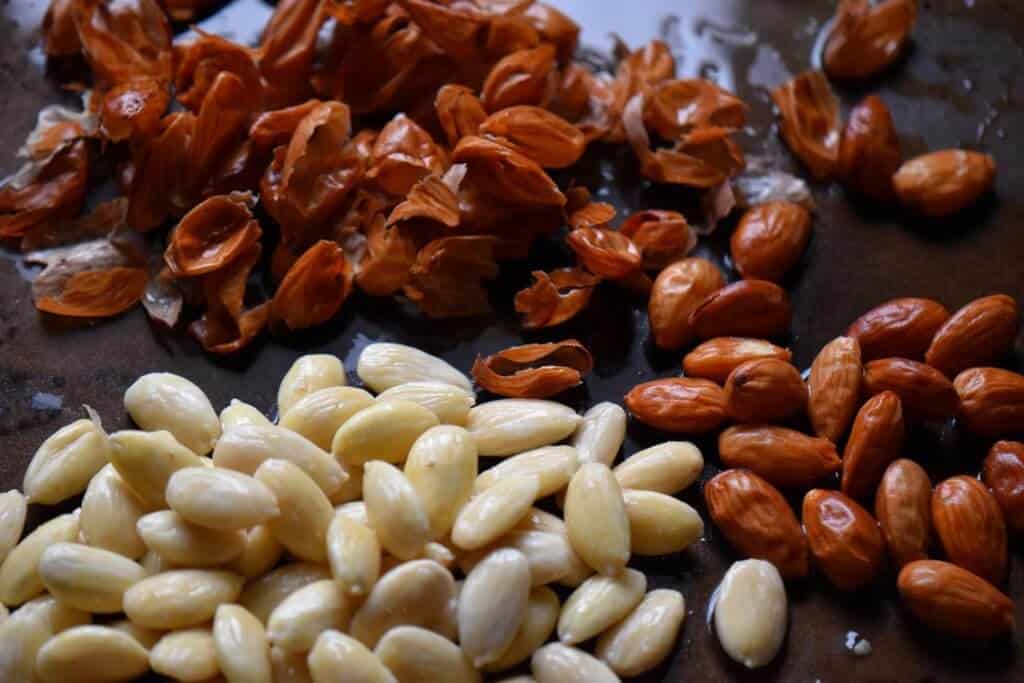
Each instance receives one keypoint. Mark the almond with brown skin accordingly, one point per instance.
(904, 512)
(869, 153)
(843, 538)
(1004, 474)
(677, 291)
(834, 388)
(875, 441)
(980, 333)
(770, 239)
(748, 308)
(991, 401)
(942, 183)
(757, 521)
(716, 358)
(784, 457)
(679, 405)
(765, 390)
(955, 601)
(924, 391)
(969, 525)
(898, 328)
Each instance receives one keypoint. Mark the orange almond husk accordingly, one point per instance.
(591, 215)
(132, 109)
(991, 401)
(1003, 472)
(459, 112)
(604, 252)
(223, 119)
(978, 334)
(523, 77)
(97, 293)
(866, 38)
(276, 127)
(446, 281)
(901, 328)
(540, 135)
(639, 71)
(198, 63)
(784, 457)
(555, 297)
(390, 254)
(403, 153)
(212, 235)
(430, 199)
(507, 175)
(554, 27)
(903, 509)
(663, 237)
(534, 370)
(716, 358)
(124, 40)
(227, 326)
(314, 288)
(843, 537)
(161, 165)
(678, 405)
(875, 441)
(969, 524)
(674, 108)
(955, 601)
(809, 121)
(55, 191)
(59, 33)
(286, 51)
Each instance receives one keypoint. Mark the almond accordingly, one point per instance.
(991, 401)
(970, 526)
(903, 509)
(716, 358)
(681, 405)
(755, 518)
(941, 183)
(1004, 474)
(765, 390)
(843, 537)
(770, 239)
(677, 291)
(924, 391)
(955, 601)
(978, 334)
(748, 308)
(784, 457)
(875, 441)
(898, 328)
(869, 153)
(834, 388)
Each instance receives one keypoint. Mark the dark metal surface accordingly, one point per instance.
(960, 85)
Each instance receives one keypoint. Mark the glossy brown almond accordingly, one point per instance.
(765, 390)
(716, 358)
(1004, 474)
(784, 457)
(843, 538)
(969, 525)
(991, 401)
(770, 239)
(923, 390)
(901, 328)
(677, 291)
(834, 388)
(748, 308)
(756, 520)
(955, 601)
(942, 183)
(679, 405)
(903, 508)
(875, 441)
(979, 334)
(869, 153)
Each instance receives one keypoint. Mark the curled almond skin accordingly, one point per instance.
(955, 601)
(834, 388)
(770, 239)
(756, 520)
(809, 121)
(924, 391)
(866, 38)
(677, 291)
(1004, 473)
(663, 237)
(991, 401)
(605, 252)
(534, 370)
(978, 334)
(942, 183)
(679, 405)
(716, 358)
(903, 509)
(901, 328)
(875, 441)
(765, 390)
(869, 153)
(843, 537)
(969, 525)
(547, 138)
(784, 457)
(748, 308)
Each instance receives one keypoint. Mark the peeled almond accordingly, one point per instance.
(355, 510)
(146, 461)
(239, 413)
(87, 578)
(416, 655)
(750, 612)
(441, 467)
(558, 663)
(660, 524)
(19, 574)
(27, 629)
(338, 657)
(219, 498)
(451, 404)
(295, 624)
(308, 374)
(538, 623)
(552, 465)
(394, 510)
(259, 555)
(13, 510)
(161, 400)
(261, 596)
(645, 638)
(384, 431)
(514, 425)
(595, 519)
(492, 605)
(548, 554)
(241, 645)
(668, 468)
(418, 593)
(91, 654)
(599, 603)
(354, 555)
(317, 416)
(601, 433)
(110, 511)
(189, 656)
(146, 637)
(351, 490)
(382, 366)
(171, 537)
(66, 461)
(545, 522)
(305, 511)
(180, 598)
(495, 511)
(245, 448)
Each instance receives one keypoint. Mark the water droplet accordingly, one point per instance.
(968, 85)
(45, 401)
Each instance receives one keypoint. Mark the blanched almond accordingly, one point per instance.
(239, 413)
(601, 433)
(180, 598)
(553, 466)
(385, 365)
(261, 596)
(492, 605)
(417, 593)
(595, 518)
(27, 629)
(13, 510)
(219, 498)
(441, 467)
(110, 511)
(544, 522)
(384, 431)
(351, 490)
(305, 511)
(538, 623)
(394, 510)
(450, 403)
(514, 425)
(259, 554)
(668, 467)
(241, 645)
(660, 524)
(599, 603)
(338, 657)
(354, 555)
(146, 637)
(491, 513)
(317, 416)
(164, 401)
(66, 461)
(245, 448)
(19, 574)
(307, 374)
(188, 655)
(645, 638)
(416, 655)
(90, 654)
(176, 540)
(558, 663)
(750, 612)
(548, 554)
(295, 624)
(288, 667)
(834, 387)
(146, 461)
(87, 578)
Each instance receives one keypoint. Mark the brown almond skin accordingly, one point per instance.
(679, 405)
(903, 507)
(748, 308)
(677, 291)
(875, 441)
(765, 390)
(955, 601)
(834, 388)
(942, 183)
(901, 328)
(716, 358)
(756, 520)
(869, 154)
(1003, 472)
(924, 391)
(969, 525)
(843, 538)
(991, 401)
(784, 457)
(770, 239)
(980, 333)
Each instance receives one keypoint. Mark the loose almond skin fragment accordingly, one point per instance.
(663, 237)
(668, 468)
(751, 613)
(903, 509)
(492, 605)
(869, 154)
(643, 640)
(809, 121)
(834, 387)
(418, 593)
(595, 519)
(954, 601)
(969, 524)
(534, 370)
(604, 252)
(599, 603)
(547, 138)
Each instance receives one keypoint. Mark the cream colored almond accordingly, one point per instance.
(417, 593)
(599, 603)
(186, 545)
(518, 679)
(164, 401)
(416, 655)
(750, 612)
(4, 613)
(180, 598)
(538, 623)
(601, 433)
(384, 431)
(552, 465)
(514, 425)
(645, 638)
(245, 448)
(239, 413)
(660, 524)
(595, 519)
(219, 498)
(336, 658)
(305, 511)
(356, 511)
(13, 510)
(87, 578)
(492, 605)
(307, 374)
(539, 520)
(261, 596)
(295, 624)
(558, 663)
(146, 461)
(450, 403)
(27, 629)
(352, 489)
(548, 554)
(91, 654)
(668, 467)
(152, 563)
(440, 553)
(382, 366)
(441, 467)
(289, 667)
(317, 416)
(19, 574)
(146, 637)
(188, 655)
(259, 555)
(66, 461)
(354, 555)
(110, 511)
(493, 512)
(394, 510)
